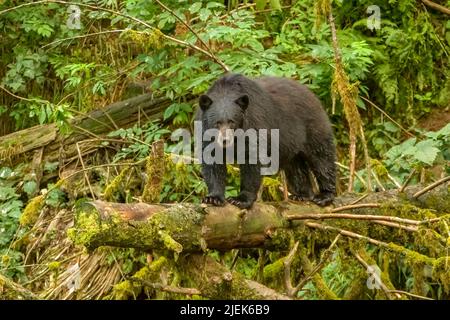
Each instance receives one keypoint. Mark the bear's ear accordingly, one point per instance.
(242, 101)
(204, 102)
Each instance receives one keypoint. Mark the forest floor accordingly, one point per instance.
(437, 119)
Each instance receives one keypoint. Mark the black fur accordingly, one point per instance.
(306, 138)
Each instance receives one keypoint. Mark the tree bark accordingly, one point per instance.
(57, 146)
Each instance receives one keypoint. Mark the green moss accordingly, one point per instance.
(170, 243)
(86, 228)
(125, 290)
(410, 255)
(115, 185)
(54, 266)
(441, 272)
(322, 289)
(31, 212)
(273, 270)
(155, 169)
(158, 264)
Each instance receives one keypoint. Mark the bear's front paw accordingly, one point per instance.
(216, 201)
(295, 197)
(240, 202)
(323, 199)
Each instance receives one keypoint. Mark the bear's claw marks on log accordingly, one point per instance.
(214, 201)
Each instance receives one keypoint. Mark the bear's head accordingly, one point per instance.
(223, 108)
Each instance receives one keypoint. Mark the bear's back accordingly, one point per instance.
(296, 101)
(291, 95)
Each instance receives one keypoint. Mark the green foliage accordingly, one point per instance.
(10, 210)
(140, 139)
(412, 153)
(180, 112)
(10, 206)
(401, 159)
(28, 67)
(53, 71)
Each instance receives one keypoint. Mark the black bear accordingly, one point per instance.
(305, 136)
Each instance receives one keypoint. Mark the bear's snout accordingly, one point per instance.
(225, 137)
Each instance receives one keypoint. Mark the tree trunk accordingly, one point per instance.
(196, 228)
(122, 114)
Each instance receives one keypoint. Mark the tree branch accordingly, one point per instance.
(212, 55)
(436, 6)
(431, 186)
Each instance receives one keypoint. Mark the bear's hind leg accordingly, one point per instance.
(299, 184)
(324, 169)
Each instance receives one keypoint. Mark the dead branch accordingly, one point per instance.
(290, 290)
(436, 6)
(431, 186)
(166, 288)
(320, 216)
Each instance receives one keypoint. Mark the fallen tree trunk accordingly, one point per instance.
(122, 114)
(217, 282)
(196, 228)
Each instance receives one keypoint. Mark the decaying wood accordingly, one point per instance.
(56, 146)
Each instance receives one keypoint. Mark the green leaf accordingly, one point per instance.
(426, 152)
(260, 4)
(45, 30)
(204, 14)
(195, 7)
(7, 193)
(30, 187)
(169, 111)
(211, 5)
(51, 166)
(445, 131)
(275, 4)
(390, 127)
(5, 173)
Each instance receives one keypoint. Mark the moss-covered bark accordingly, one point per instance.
(121, 114)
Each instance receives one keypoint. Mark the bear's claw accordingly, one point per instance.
(213, 200)
(323, 199)
(239, 203)
(295, 197)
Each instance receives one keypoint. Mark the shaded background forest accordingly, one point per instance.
(51, 72)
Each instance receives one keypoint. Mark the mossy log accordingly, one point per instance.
(217, 282)
(196, 228)
(57, 146)
(179, 227)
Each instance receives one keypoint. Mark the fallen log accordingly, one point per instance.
(196, 228)
(57, 146)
